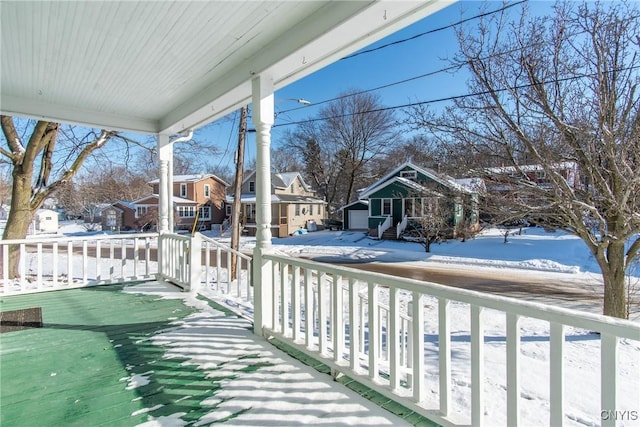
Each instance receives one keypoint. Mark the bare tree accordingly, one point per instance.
(434, 222)
(43, 159)
(556, 89)
(339, 145)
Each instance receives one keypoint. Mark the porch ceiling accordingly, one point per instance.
(163, 67)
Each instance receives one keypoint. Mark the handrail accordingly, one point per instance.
(384, 226)
(402, 225)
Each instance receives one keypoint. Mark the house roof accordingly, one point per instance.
(442, 179)
(418, 188)
(357, 202)
(165, 67)
(192, 178)
(285, 179)
(278, 198)
(280, 179)
(155, 197)
(533, 168)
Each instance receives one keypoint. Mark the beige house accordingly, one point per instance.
(294, 205)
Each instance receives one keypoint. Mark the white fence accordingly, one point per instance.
(424, 345)
(54, 263)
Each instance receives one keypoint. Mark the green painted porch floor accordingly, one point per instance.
(91, 363)
(74, 370)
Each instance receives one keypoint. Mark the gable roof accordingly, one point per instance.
(191, 178)
(155, 198)
(442, 179)
(418, 188)
(280, 180)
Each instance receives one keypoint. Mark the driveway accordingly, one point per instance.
(565, 290)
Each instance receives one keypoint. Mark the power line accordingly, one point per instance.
(455, 97)
(435, 30)
(429, 74)
(442, 70)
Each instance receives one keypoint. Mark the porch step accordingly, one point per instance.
(390, 234)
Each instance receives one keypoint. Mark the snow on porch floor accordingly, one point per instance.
(153, 356)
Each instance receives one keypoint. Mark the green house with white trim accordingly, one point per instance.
(410, 191)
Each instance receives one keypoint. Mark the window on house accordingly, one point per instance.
(111, 219)
(141, 211)
(293, 189)
(227, 210)
(409, 174)
(297, 210)
(310, 209)
(186, 211)
(252, 186)
(183, 190)
(207, 191)
(386, 207)
(408, 208)
(204, 213)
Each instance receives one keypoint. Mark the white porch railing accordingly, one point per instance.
(384, 226)
(54, 263)
(402, 225)
(411, 341)
(421, 344)
(216, 275)
(207, 270)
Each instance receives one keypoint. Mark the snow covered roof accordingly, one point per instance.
(442, 179)
(417, 187)
(280, 179)
(533, 168)
(475, 184)
(175, 199)
(278, 198)
(192, 178)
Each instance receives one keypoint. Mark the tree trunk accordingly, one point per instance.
(613, 274)
(20, 216)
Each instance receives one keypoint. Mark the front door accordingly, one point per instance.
(283, 221)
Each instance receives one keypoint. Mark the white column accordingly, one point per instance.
(165, 202)
(263, 117)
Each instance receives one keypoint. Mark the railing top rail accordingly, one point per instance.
(225, 247)
(598, 323)
(78, 238)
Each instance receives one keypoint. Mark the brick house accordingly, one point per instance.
(198, 200)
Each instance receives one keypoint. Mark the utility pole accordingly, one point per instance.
(237, 192)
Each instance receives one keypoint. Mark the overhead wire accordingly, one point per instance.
(455, 97)
(445, 27)
(435, 30)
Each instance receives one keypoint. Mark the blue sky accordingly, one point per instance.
(401, 61)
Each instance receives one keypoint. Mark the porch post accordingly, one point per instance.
(263, 117)
(165, 199)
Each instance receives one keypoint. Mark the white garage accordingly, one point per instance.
(355, 216)
(359, 220)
